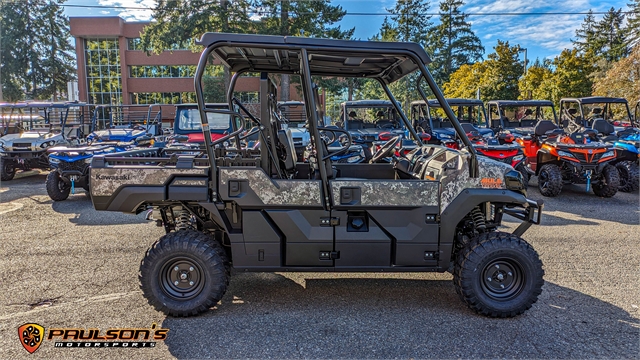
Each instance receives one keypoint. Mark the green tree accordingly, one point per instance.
(36, 55)
(466, 81)
(453, 43)
(632, 29)
(504, 69)
(571, 76)
(586, 40)
(530, 85)
(301, 18)
(611, 35)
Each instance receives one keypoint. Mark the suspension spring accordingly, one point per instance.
(478, 219)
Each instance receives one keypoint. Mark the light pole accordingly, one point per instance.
(524, 81)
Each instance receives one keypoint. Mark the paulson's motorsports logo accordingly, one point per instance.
(31, 336)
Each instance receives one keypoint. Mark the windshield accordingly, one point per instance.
(471, 114)
(614, 113)
(371, 118)
(189, 120)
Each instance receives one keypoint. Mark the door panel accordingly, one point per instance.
(306, 240)
(359, 241)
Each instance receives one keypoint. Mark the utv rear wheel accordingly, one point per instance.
(184, 273)
(629, 177)
(8, 169)
(56, 187)
(550, 180)
(608, 184)
(525, 174)
(498, 275)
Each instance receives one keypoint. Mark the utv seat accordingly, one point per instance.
(527, 123)
(355, 125)
(543, 127)
(603, 127)
(286, 140)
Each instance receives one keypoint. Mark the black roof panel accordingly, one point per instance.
(327, 57)
(521, 102)
(596, 100)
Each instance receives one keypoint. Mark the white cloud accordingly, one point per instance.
(132, 14)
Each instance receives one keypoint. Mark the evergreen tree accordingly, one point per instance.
(409, 22)
(453, 43)
(36, 56)
(504, 69)
(586, 39)
(611, 34)
(632, 29)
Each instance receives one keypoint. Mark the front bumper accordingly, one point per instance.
(530, 214)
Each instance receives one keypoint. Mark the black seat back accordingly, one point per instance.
(603, 127)
(543, 126)
(286, 142)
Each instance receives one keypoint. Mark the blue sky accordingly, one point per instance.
(543, 36)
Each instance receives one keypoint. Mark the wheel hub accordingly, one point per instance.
(182, 278)
(502, 279)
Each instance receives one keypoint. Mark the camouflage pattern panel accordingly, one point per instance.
(251, 187)
(454, 181)
(105, 181)
(190, 182)
(406, 193)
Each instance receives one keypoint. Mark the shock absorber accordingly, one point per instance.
(478, 219)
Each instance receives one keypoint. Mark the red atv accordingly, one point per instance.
(577, 158)
(502, 147)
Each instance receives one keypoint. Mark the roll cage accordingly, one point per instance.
(148, 117)
(307, 57)
(423, 109)
(43, 116)
(496, 107)
(579, 118)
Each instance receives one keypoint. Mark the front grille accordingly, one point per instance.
(582, 157)
(72, 166)
(17, 145)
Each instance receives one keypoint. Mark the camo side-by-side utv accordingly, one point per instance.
(39, 126)
(435, 209)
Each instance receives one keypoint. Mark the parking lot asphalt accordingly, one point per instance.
(65, 265)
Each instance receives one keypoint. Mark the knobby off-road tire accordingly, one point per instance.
(56, 188)
(609, 182)
(550, 180)
(629, 176)
(525, 174)
(192, 260)
(498, 275)
(7, 169)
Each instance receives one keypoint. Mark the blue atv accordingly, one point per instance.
(627, 148)
(113, 129)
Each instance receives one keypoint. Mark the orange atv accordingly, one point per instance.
(578, 158)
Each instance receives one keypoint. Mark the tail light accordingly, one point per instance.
(385, 136)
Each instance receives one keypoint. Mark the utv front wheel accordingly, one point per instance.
(184, 273)
(609, 182)
(8, 169)
(629, 177)
(56, 188)
(550, 180)
(498, 275)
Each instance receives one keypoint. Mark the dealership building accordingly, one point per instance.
(114, 70)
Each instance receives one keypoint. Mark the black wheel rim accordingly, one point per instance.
(182, 278)
(502, 279)
(9, 168)
(61, 186)
(543, 178)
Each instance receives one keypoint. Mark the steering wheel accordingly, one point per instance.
(385, 150)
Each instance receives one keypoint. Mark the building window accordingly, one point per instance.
(248, 97)
(136, 44)
(172, 71)
(163, 98)
(102, 61)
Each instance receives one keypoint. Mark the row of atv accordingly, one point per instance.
(596, 142)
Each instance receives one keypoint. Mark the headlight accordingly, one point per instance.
(362, 152)
(518, 157)
(354, 159)
(609, 153)
(565, 154)
(54, 160)
(444, 136)
(87, 161)
(513, 181)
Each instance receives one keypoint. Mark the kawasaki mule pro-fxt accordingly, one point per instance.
(435, 209)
